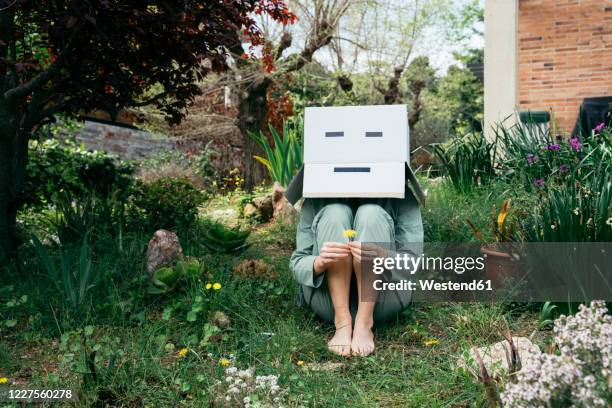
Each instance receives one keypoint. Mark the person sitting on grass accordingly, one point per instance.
(327, 263)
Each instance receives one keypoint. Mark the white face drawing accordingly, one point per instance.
(355, 151)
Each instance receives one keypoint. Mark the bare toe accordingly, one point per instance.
(363, 340)
(340, 344)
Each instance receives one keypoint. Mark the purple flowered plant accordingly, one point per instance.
(539, 183)
(575, 143)
(564, 168)
(599, 127)
(559, 137)
(553, 146)
(532, 158)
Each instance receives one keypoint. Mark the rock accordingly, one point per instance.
(164, 249)
(250, 211)
(264, 206)
(221, 320)
(283, 210)
(494, 356)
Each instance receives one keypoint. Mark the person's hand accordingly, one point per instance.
(330, 253)
(366, 252)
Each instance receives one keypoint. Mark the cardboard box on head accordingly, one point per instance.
(355, 151)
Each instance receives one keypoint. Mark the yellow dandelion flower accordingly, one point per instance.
(431, 342)
(3, 380)
(216, 286)
(609, 221)
(182, 352)
(300, 362)
(349, 233)
(208, 285)
(224, 362)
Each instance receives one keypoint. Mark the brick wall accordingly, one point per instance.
(564, 55)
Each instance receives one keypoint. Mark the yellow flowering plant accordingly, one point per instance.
(350, 234)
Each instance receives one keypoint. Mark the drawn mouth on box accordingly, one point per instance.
(351, 169)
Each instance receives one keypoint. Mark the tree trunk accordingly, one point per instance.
(13, 159)
(7, 221)
(392, 95)
(252, 110)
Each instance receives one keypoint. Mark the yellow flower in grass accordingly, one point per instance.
(224, 362)
(349, 233)
(208, 285)
(3, 380)
(216, 286)
(300, 362)
(182, 352)
(431, 342)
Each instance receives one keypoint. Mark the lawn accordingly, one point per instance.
(148, 350)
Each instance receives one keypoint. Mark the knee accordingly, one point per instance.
(368, 214)
(337, 214)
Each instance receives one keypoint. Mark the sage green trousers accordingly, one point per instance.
(383, 220)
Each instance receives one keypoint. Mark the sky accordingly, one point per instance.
(433, 42)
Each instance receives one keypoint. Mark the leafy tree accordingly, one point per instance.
(420, 76)
(73, 56)
(462, 94)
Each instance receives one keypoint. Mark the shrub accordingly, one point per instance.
(166, 203)
(285, 156)
(197, 168)
(572, 179)
(56, 167)
(469, 161)
(536, 158)
(222, 239)
(576, 377)
(578, 212)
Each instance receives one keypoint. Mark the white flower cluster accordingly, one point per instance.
(580, 375)
(250, 392)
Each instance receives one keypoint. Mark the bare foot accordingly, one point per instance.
(363, 338)
(341, 342)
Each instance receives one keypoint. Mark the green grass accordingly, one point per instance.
(137, 336)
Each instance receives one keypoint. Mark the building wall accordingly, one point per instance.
(500, 62)
(564, 55)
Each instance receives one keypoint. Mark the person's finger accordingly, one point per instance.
(335, 245)
(332, 255)
(337, 250)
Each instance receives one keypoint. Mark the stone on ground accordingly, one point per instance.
(164, 249)
(494, 356)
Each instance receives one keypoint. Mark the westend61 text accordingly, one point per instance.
(432, 285)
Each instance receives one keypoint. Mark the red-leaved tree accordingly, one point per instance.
(73, 56)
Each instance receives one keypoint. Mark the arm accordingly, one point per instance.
(408, 234)
(409, 225)
(303, 263)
